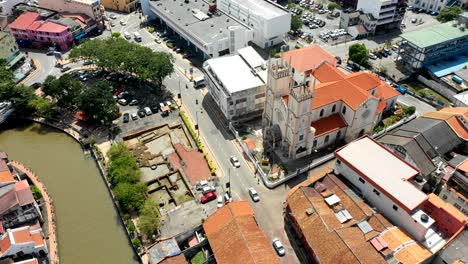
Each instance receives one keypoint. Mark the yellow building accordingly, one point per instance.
(9, 49)
(120, 5)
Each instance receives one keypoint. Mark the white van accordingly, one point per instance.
(199, 82)
(137, 36)
(127, 35)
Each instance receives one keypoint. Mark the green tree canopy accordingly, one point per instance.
(296, 23)
(118, 54)
(358, 53)
(130, 196)
(332, 6)
(449, 13)
(42, 106)
(19, 95)
(97, 103)
(149, 218)
(123, 166)
(65, 90)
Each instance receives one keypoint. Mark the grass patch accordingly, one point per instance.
(199, 258)
(424, 91)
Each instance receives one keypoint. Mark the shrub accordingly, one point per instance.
(244, 137)
(35, 192)
(130, 226)
(136, 242)
(297, 46)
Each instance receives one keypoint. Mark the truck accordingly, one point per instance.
(137, 36)
(457, 79)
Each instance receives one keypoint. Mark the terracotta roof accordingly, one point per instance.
(464, 166)
(23, 193)
(327, 93)
(3, 166)
(5, 176)
(52, 27)
(457, 111)
(22, 236)
(5, 244)
(24, 20)
(458, 127)
(250, 142)
(195, 165)
(330, 240)
(385, 91)
(235, 237)
(381, 106)
(437, 115)
(29, 261)
(328, 73)
(439, 203)
(37, 238)
(328, 124)
(308, 58)
(413, 253)
(179, 259)
(364, 80)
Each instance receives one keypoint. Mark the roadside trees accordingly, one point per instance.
(449, 14)
(358, 53)
(98, 104)
(65, 90)
(296, 23)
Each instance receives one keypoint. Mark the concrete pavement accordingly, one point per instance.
(421, 107)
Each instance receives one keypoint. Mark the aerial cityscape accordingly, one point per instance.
(233, 131)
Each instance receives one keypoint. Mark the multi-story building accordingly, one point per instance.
(387, 13)
(431, 5)
(209, 31)
(237, 84)
(9, 50)
(91, 8)
(390, 184)
(120, 5)
(334, 225)
(311, 104)
(429, 47)
(27, 240)
(269, 20)
(30, 29)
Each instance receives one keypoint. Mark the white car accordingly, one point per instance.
(235, 162)
(113, 16)
(254, 195)
(127, 35)
(147, 111)
(227, 198)
(220, 201)
(278, 247)
(123, 23)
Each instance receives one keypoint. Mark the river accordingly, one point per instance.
(88, 226)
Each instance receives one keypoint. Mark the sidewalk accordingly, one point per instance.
(50, 211)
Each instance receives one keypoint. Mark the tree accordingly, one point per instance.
(449, 13)
(42, 106)
(130, 196)
(358, 54)
(19, 95)
(148, 222)
(116, 34)
(332, 6)
(97, 103)
(296, 23)
(35, 192)
(65, 90)
(383, 70)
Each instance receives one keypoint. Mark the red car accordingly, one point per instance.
(208, 197)
(119, 91)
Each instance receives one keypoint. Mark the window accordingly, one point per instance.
(301, 137)
(344, 110)
(327, 138)
(376, 192)
(333, 108)
(362, 180)
(321, 113)
(457, 206)
(395, 208)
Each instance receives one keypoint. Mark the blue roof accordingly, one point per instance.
(442, 68)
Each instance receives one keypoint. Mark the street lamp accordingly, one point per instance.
(180, 94)
(198, 127)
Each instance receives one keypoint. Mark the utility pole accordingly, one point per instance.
(230, 194)
(198, 126)
(180, 94)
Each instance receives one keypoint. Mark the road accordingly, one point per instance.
(421, 107)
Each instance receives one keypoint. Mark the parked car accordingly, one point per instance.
(199, 185)
(133, 102)
(134, 116)
(208, 197)
(157, 40)
(126, 118)
(372, 56)
(227, 197)
(220, 202)
(112, 24)
(338, 59)
(414, 20)
(154, 108)
(122, 102)
(123, 23)
(141, 113)
(208, 188)
(147, 111)
(88, 62)
(64, 69)
(36, 85)
(254, 195)
(278, 247)
(235, 162)
(113, 16)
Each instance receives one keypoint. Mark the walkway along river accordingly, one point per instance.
(88, 228)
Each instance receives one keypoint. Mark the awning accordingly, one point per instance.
(15, 60)
(165, 108)
(82, 34)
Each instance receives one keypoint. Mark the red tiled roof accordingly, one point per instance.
(5, 244)
(5, 176)
(464, 166)
(381, 106)
(24, 20)
(22, 236)
(363, 80)
(235, 237)
(328, 124)
(385, 91)
(328, 73)
(3, 166)
(23, 193)
(35, 25)
(308, 58)
(458, 127)
(250, 142)
(195, 165)
(179, 259)
(327, 93)
(451, 117)
(52, 27)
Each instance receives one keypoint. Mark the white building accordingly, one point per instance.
(6, 6)
(311, 104)
(387, 14)
(207, 29)
(26, 240)
(430, 5)
(91, 8)
(269, 21)
(237, 84)
(389, 184)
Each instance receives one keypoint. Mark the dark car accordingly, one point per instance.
(141, 113)
(126, 118)
(154, 108)
(338, 60)
(36, 85)
(64, 69)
